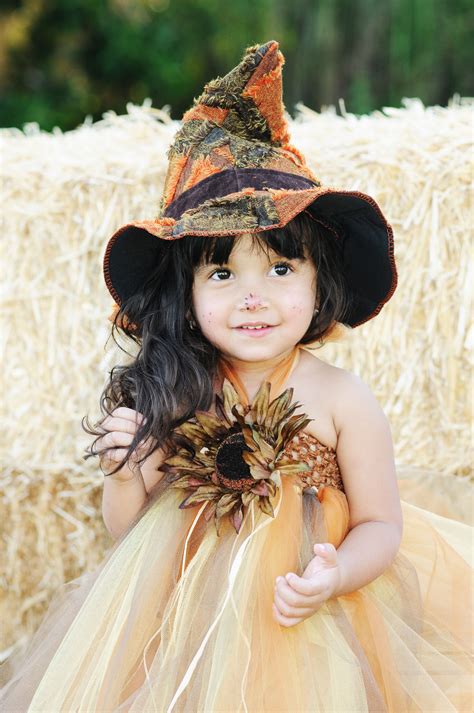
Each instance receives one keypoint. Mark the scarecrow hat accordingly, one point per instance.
(232, 170)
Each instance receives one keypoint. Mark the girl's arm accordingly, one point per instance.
(366, 459)
(122, 499)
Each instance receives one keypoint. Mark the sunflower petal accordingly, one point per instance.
(209, 511)
(181, 484)
(287, 426)
(204, 460)
(214, 478)
(206, 492)
(196, 482)
(249, 438)
(293, 468)
(174, 474)
(261, 489)
(226, 416)
(226, 503)
(254, 459)
(192, 431)
(249, 419)
(210, 424)
(266, 506)
(239, 414)
(194, 498)
(231, 398)
(247, 497)
(195, 470)
(271, 411)
(287, 430)
(258, 472)
(188, 479)
(260, 403)
(179, 462)
(236, 519)
(278, 407)
(300, 426)
(272, 487)
(256, 436)
(266, 450)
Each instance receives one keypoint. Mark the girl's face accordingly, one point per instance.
(256, 307)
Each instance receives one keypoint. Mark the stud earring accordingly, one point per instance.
(316, 311)
(192, 324)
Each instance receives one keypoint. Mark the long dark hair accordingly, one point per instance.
(173, 372)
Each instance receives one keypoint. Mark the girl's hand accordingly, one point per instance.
(120, 429)
(297, 598)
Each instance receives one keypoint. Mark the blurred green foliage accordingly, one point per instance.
(61, 60)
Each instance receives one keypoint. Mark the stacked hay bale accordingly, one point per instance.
(66, 193)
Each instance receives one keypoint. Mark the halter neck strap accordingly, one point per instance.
(277, 378)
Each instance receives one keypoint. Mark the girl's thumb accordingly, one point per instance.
(321, 549)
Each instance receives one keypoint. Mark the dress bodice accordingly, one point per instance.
(321, 458)
(303, 447)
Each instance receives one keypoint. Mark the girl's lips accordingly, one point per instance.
(261, 332)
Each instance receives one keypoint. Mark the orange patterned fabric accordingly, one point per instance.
(201, 169)
(265, 88)
(322, 460)
(201, 112)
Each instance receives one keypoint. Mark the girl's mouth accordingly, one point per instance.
(259, 329)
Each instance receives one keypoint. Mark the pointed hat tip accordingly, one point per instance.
(262, 49)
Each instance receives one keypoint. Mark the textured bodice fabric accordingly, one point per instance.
(321, 458)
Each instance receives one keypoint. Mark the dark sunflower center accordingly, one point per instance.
(229, 461)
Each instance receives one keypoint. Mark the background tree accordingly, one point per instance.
(61, 60)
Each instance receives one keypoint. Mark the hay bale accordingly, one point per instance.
(66, 193)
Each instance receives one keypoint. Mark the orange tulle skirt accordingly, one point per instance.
(177, 618)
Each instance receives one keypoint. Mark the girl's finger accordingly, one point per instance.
(292, 611)
(284, 620)
(115, 455)
(302, 585)
(129, 414)
(115, 438)
(284, 590)
(119, 424)
(297, 599)
(326, 550)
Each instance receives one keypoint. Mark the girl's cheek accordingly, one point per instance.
(207, 321)
(300, 306)
(209, 318)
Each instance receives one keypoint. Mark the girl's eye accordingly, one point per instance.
(220, 275)
(282, 269)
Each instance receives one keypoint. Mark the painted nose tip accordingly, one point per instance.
(251, 302)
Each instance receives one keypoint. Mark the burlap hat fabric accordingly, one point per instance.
(232, 170)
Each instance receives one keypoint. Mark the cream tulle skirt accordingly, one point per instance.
(177, 618)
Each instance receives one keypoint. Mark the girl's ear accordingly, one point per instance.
(190, 319)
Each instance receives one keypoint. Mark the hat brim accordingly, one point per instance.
(357, 222)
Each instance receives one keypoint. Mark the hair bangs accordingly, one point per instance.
(289, 242)
(208, 250)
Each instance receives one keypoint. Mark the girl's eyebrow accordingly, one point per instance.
(203, 267)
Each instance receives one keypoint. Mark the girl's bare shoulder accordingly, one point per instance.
(324, 391)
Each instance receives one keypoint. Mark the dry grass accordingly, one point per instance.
(65, 194)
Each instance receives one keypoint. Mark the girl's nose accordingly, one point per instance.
(252, 302)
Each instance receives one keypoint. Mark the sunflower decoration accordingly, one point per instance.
(237, 456)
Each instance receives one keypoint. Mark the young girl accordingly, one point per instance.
(263, 560)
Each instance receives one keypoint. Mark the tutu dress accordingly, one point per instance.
(178, 617)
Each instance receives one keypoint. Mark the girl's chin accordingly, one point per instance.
(253, 350)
